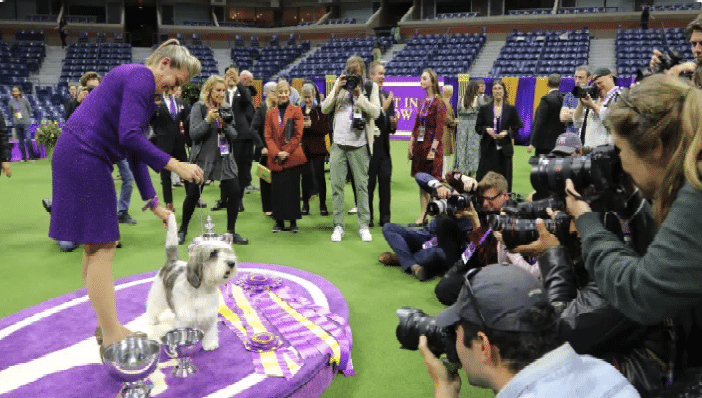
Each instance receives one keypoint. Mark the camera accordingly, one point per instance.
(453, 204)
(414, 322)
(353, 81)
(535, 209)
(582, 92)
(668, 59)
(519, 231)
(226, 114)
(358, 122)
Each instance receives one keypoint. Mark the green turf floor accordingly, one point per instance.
(34, 270)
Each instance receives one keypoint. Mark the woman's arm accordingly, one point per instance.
(270, 130)
(480, 126)
(515, 122)
(662, 282)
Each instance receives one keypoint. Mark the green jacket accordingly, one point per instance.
(662, 283)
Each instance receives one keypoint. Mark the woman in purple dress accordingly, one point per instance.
(107, 127)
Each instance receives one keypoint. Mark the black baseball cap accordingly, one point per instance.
(503, 293)
(601, 71)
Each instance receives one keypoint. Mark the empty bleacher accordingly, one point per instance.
(98, 57)
(445, 55)
(542, 53)
(634, 47)
(331, 57)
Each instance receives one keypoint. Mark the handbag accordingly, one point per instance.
(263, 173)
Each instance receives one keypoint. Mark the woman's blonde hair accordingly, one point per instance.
(179, 55)
(207, 87)
(663, 112)
(434, 81)
(281, 85)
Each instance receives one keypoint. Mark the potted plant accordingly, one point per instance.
(47, 134)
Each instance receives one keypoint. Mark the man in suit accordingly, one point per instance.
(168, 122)
(482, 98)
(238, 97)
(547, 125)
(380, 168)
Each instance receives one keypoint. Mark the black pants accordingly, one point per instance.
(265, 186)
(314, 182)
(166, 183)
(243, 152)
(229, 187)
(380, 169)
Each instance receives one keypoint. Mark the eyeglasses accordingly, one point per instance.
(473, 299)
(491, 198)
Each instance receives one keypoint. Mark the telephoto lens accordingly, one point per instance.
(535, 209)
(414, 323)
(518, 231)
(436, 207)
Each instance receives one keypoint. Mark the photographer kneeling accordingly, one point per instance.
(657, 127)
(502, 330)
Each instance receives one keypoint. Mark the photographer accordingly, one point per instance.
(657, 127)
(693, 31)
(591, 112)
(88, 81)
(212, 151)
(415, 250)
(570, 102)
(506, 341)
(353, 124)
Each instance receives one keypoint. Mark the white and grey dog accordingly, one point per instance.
(191, 289)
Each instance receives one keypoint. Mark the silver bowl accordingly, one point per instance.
(183, 344)
(131, 361)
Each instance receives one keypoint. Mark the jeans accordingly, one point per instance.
(125, 193)
(24, 135)
(407, 245)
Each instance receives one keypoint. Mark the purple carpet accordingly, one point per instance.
(49, 350)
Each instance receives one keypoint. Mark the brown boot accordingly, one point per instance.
(389, 258)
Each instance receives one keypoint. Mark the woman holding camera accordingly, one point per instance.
(497, 123)
(212, 151)
(657, 127)
(314, 134)
(285, 158)
(426, 149)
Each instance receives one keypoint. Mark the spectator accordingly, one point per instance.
(506, 340)
(426, 144)
(285, 158)
(212, 151)
(87, 82)
(353, 143)
(570, 103)
(101, 132)
(63, 32)
(258, 127)
(314, 144)
(590, 113)
(380, 167)
(547, 124)
(294, 95)
(72, 95)
(22, 117)
(645, 15)
(167, 123)
(467, 140)
(449, 136)
(5, 155)
(482, 98)
(497, 123)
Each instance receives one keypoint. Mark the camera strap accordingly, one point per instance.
(472, 247)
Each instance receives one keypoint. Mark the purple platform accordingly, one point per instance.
(49, 350)
(16, 155)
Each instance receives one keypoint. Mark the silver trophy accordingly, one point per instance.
(131, 361)
(183, 344)
(210, 235)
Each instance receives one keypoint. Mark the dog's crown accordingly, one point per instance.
(210, 235)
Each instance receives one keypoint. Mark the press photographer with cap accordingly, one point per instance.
(506, 340)
(591, 112)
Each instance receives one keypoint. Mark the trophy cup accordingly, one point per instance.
(210, 235)
(183, 344)
(131, 361)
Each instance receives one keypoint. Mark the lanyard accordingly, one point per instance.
(496, 120)
(472, 247)
(424, 112)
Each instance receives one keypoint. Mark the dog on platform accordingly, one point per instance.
(191, 289)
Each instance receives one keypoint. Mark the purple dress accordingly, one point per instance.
(107, 127)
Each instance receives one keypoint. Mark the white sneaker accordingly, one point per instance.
(338, 234)
(353, 210)
(365, 234)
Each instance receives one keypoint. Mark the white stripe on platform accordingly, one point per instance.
(238, 387)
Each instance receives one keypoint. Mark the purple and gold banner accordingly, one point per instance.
(407, 93)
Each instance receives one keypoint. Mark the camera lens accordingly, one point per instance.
(413, 323)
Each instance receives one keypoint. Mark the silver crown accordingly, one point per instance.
(210, 235)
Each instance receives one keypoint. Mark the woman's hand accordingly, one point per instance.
(538, 247)
(283, 156)
(503, 134)
(446, 384)
(212, 115)
(7, 168)
(575, 207)
(432, 154)
(264, 151)
(490, 131)
(162, 213)
(186, 171)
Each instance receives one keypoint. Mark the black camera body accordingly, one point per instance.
(414, 323)
(453, 204)
(535, 209)
(582, 92)
(353, 81)
(521, 231)
(226, 114)
(358, 122)
(667, 60)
